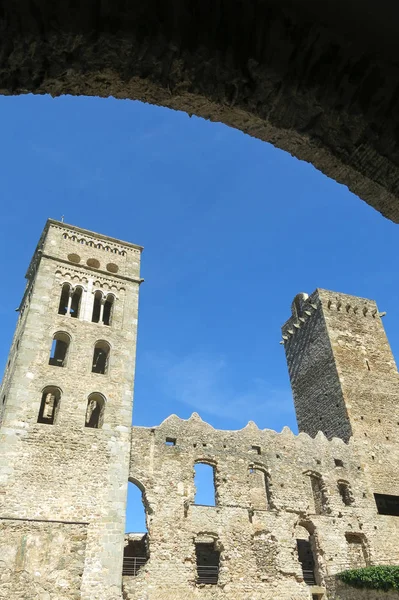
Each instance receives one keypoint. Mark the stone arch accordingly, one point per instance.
(358, 554)
(260, 488)
(137, 544)
(101, 356)
(60, 349)
(315, 81)
(309, 553)
(49, 405)
(95, 410)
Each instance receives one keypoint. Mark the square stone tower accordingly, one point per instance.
(66, 412)
(344, 377)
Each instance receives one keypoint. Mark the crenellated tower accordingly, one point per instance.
(343, 375)
(66, 402)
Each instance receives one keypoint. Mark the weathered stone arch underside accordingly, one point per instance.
(318, 79)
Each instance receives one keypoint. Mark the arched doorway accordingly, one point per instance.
(136, 547)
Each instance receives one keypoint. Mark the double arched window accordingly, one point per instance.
(49, 405)
(70, 300)
(95, 411)
(101, 357)
(102, 308)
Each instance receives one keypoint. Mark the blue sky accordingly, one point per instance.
(232, 228)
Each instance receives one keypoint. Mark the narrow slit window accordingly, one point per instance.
(95, 411)
(208, 560)
(101, 358)
(49, 406)
(319, 494)
(59, 349)
(345, 493)
(204, 482)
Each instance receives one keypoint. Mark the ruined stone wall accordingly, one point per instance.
(256, 530)
(65, 471)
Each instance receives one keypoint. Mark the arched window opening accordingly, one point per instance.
(108, 309)
(49, 405)
(101, 357)
(97, 307)
(307, 555)
(136, 550)
(345, 492)
(260, 489)
(319, 494)
(266, 549)
(204, 482)
(59, 349)
(75, 302)
(357, 551)
(207, 559)
(95, 411)
(102, 308)
(64, 300)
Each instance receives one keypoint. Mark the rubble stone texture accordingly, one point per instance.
(317, 79)
(64, 485)
(281, 500)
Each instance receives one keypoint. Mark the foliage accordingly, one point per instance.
(382, 577)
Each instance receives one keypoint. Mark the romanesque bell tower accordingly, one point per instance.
(66, 411)
(344, 377)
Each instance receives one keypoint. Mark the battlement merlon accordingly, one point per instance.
(78, 246)
(303, 306)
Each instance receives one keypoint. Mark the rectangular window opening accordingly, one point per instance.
(256, 449)
(387, 504)
(135, 554)
(208, 560)
(170, 441)
(306, 558)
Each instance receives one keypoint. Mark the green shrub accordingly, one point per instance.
(375, 578)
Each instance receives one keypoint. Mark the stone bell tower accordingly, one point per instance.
(66, 411)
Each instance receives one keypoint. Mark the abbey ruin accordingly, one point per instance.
(290, 511)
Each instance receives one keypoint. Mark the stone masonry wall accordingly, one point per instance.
(344, 378)
(65, 471)
(41, 561)
(344, 592)
(255, 531)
